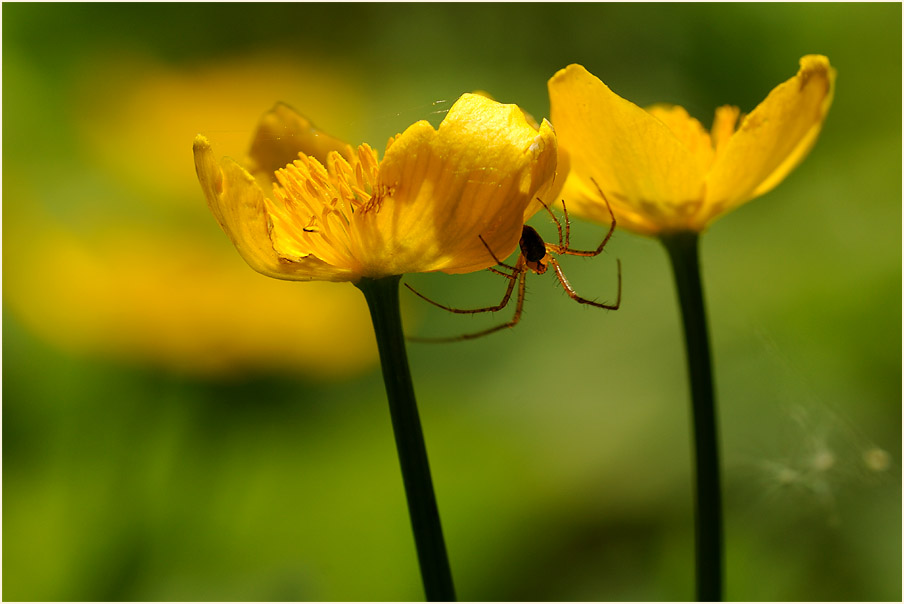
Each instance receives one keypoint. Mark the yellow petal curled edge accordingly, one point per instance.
(439, 191)
(773, 139)
(237, 203)
(549, 193)
(647, 173)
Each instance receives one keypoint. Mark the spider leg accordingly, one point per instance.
(490, 250)
(499, 272)
(566, 249)
(468, 311)
(519, 306)
(567, 227)
(574, 296)
(558, 226)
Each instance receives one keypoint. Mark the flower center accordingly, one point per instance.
(313, 206)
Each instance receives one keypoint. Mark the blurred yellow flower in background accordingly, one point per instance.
(423, 208)
(136, 278)
(134, 98)
(162, 298)
(661, 170)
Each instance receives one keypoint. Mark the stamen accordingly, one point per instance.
(316, 204)
(312, 226)
(360, 197)
(359, 175)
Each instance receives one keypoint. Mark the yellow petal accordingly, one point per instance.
(438, 191)
(282, 134)
(689, 131)
(549, 193)
(773, 139)
(724, 126)
(646, 171)
(237, 203)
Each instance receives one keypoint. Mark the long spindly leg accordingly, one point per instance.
(519, 306)
(493, 254)
(566, 248)
(503, 273)
(574, 296)
(561, 245)
(468, 311)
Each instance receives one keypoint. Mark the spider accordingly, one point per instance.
(535, 256)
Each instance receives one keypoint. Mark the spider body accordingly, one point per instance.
(536, 256)
(533, 249)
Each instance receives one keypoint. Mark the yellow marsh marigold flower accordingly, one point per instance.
(661, 170)
(171, 313)
(340, 216)
(177, 101)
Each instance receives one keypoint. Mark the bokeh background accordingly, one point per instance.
(178, 427)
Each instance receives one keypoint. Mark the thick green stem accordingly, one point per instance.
(683, 253)
(383, 300)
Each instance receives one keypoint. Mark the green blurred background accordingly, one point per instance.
(177, 427)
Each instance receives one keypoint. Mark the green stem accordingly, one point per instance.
(383, 300)
(683, 253)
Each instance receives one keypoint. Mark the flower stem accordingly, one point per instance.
(683, 252)
(383, 300)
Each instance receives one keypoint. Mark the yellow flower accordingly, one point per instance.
(340, 216)
(225, 96)
(661, 170)
(171, 313)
